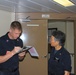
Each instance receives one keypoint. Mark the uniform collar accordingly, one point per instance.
(60, 51)
(7, 37)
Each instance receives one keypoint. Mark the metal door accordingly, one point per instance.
(35, 34)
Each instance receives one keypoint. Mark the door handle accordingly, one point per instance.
(45, 56)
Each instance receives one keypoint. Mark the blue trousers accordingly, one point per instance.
(9, 73)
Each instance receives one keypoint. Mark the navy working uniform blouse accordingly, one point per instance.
(59, 62)
(7, 44)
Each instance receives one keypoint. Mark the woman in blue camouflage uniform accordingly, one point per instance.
(60, 60)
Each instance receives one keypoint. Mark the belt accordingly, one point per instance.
(52, 74)
(9, 70)
(56, 74)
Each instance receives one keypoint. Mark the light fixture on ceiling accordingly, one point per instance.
(65, 3)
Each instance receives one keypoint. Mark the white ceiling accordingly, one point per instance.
(35, 6)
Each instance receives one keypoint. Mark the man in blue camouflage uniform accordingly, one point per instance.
(10, 44)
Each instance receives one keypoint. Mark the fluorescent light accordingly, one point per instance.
(65, 3)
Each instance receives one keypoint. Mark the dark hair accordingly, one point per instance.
(59, 36)
(16, 25)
